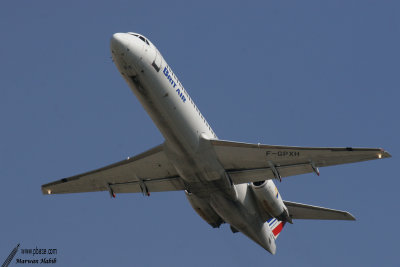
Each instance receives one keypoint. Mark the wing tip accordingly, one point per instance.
(350, 217)
(386, 154)
(46, 190)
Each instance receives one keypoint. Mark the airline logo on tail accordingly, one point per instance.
(276, 226)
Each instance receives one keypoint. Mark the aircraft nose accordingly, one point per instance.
(118, 42)
(127, 47)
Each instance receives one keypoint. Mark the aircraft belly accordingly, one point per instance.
(201, 170)
(177, 122)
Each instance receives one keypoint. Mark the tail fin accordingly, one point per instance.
(276, 226)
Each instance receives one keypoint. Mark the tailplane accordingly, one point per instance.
(303, 211)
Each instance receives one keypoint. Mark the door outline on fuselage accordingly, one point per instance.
(157, 61)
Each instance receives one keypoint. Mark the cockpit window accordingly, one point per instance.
(143, 39)
(140, 37)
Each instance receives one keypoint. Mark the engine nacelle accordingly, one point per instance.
(270, 200)
(204, 210)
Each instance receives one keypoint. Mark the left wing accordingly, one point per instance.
(148, 172)
(254, 162)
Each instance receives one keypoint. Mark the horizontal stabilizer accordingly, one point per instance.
(303, 211)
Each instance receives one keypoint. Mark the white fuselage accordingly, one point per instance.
(187, 136)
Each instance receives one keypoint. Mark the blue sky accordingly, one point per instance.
(304, 73)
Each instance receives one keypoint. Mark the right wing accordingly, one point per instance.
(246, 162)
(148, 172)
(303, 211)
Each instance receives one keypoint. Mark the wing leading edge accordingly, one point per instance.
(246, 162)
(148, 172)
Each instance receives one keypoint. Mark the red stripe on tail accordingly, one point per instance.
(278, 228)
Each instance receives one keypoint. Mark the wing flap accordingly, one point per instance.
(259, 174)
(303, 211)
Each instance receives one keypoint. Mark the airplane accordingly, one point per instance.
(224, 181)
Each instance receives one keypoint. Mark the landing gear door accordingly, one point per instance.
(157, 61)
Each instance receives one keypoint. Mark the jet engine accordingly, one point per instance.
(270, 200)
(204, 210)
